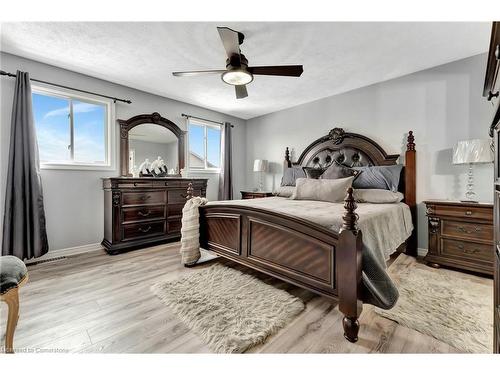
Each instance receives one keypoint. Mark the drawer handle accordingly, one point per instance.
(468, 213)
(145, 230)
(467, 251)
(144, 214)
(462, 229)
(145, 197)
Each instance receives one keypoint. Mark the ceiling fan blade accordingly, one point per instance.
(241, 91)
(279, 70)
(197, 73)
(230, 40)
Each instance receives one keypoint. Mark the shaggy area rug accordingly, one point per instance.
(230, 310)
(453, 307)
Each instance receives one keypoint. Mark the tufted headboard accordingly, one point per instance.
(356, 150)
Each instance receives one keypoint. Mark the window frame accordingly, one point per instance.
(109, 133)
(205, 125)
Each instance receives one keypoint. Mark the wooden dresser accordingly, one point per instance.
(460, 235)
(140, 212)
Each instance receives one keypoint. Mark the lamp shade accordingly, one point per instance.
(260, 165)
(472, 151)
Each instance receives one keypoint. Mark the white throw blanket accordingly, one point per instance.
(190, 231)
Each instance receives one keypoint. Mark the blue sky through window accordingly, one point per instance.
(53, 128)
(197, 143)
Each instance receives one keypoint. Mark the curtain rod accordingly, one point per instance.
(203, 119)
(3, 73)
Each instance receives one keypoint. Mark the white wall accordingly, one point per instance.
(74, 199)
(441, 105)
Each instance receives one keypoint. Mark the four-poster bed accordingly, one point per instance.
(303, 252)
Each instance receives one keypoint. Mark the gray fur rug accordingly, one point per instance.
(451, 306)
(231, 311)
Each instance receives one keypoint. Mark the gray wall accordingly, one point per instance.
(151, 150)
(74, 199)
(441, 105)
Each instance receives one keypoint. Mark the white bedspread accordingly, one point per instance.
(384, 226)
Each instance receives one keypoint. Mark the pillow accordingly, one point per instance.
(291, 174)
(377, 196)
(313, 172)
(336, 170)
(378, 177)
(284, 191)
(322, 190)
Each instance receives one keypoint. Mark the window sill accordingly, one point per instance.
(203, 171)
(76, 167)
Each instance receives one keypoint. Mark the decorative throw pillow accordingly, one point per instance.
(322, 190)
(313, 172)
(336, 170)
(377, 196)
(378, 177)
(285, 191)
(291, 174)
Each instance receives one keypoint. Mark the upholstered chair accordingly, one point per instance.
(13, 274)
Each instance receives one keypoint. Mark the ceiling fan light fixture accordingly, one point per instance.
(237, 77)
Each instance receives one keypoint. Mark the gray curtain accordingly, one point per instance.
(226, 173)
(24, 234)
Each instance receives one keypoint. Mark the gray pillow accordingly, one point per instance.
(313, 172)
(378, 177)
(284, 191)
(291, 174)
(377, 196)
(335, 171)
(322, 190)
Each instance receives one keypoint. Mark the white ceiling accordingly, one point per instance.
(337, 56)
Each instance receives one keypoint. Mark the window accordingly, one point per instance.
(73, 131)
(204, 145)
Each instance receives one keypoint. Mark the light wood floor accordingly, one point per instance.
(99, 303)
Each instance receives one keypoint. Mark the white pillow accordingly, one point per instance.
(322, 190)
(284, 191)
(377, 196)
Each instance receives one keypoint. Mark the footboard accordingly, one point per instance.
(291, 249)
(297, 251)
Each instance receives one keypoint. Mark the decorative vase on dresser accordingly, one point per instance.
(460, 235)
(141, 212)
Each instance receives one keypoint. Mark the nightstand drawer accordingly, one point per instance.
(484, 213)
(470, 250)
(473, 231)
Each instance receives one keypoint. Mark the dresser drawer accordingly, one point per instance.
(134, 184)
(175, 210)
(146, 197)
(473, 231)
(464, 249)
(143, 213)
(147, 229)
(174, 226)
(484, 213)
(176, 196)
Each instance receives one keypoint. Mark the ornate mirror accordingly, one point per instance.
(152, 142)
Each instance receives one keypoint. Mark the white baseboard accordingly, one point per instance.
(67, 252)
(422, 252)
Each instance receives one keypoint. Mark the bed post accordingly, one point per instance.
(411, 190)
(349, 269)
(190, 191)
(287, 163)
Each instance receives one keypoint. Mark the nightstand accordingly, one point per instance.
(255, 194)
(460, 235)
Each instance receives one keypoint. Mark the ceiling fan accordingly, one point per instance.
(237, 72)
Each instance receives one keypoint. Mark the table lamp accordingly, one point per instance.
(260, 166)
(473, 151)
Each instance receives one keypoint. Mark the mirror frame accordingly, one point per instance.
(154, 118)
